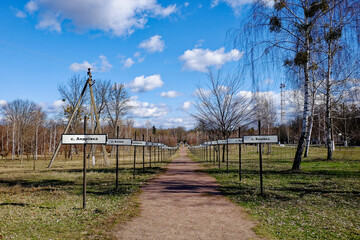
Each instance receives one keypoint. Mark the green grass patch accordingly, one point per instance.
(322, 201)
(47, 203)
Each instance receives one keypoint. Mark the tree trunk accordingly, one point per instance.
(36, 141)
(308, 139)
(305, 120)
(13, 142)
(223, 153)
(329, 142)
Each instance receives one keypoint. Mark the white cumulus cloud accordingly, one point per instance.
(147, 110)
(2, 103)
(236, 5)
(76, 67)
(128, 63)
(102, 65)
(20, 14)
(32, 6)
(54, 107)
(153, 44)
(201, 59)
(201, 91)
(118, 17)
(186, 105)
(145, 84)
(170, 94)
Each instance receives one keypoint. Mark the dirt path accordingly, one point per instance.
(185, 204)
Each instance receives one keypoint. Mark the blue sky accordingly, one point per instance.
(160, 50)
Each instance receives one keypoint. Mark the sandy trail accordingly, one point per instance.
(185, 204)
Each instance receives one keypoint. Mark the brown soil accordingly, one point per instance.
(184, 203)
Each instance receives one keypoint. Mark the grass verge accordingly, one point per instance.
(322, 201)
(47, 203)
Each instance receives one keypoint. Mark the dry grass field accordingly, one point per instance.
(47, 203)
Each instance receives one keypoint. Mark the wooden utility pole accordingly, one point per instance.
(98, 126)
(68, 125)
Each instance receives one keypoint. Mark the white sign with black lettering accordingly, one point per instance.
(261, 139)
(222, 141)
(83, 139)
(214, 143)
(119, 142)
(235, 140)
(138, 143)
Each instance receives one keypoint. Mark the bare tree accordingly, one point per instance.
(148, 127)
(39, 118)
(102, 90)
(219, 107)
(290, 30)
(20, 114)
(117, 104)
(339, 56)
(70, 93)
(265, 111)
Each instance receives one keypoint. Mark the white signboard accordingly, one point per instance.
(222, 141)
(138, 143)
(149, 144)
(120, 142)
(261, 139)
(235, 140)
(214, 143)
(83, 139)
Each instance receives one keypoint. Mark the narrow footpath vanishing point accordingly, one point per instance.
(184, 203)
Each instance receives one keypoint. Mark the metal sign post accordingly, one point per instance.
(117, 160)
(161, 149)
(134, 157)
(83, 139)
(118, 142)
(239, 156)
(260, 139)
(238, 141)
(209, 151)
(144, 154)
(150, 152)
(158, 149)
(261, 170)
(84, 169)
(214, 152)
(221, 142)
(227, 156)
(219, 154)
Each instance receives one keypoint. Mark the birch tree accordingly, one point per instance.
(290, 28)
(340, 53)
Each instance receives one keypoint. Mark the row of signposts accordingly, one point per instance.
(246, 139)
(102, 139)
